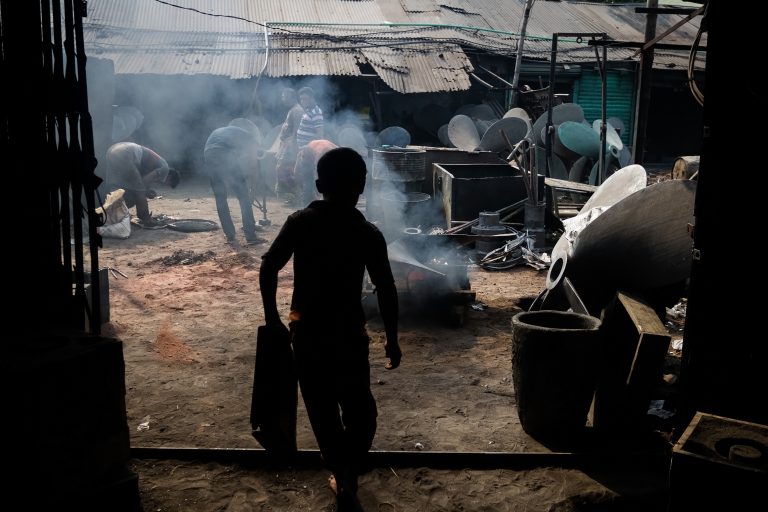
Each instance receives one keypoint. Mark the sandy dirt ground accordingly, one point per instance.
(186, 307)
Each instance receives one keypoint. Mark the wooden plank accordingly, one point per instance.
(571, 186)
(643, 316)
(636, 343)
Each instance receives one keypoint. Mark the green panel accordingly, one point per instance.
(534, 70)
(620, 100)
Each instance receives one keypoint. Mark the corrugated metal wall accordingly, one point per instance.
(620, 101)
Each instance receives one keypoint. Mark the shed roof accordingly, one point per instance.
(413, 45)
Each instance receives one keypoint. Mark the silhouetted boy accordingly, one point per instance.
(333, 245)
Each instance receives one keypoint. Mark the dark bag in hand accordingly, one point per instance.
(275, 394)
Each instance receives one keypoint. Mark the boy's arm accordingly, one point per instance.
(268, 285)
(273, 260)
(388, 307)
(381, 276)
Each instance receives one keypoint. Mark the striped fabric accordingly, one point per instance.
(310, 126)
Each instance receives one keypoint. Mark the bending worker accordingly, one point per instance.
(229, 157)
(134, 168)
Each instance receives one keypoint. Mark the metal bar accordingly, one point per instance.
(664, 10)
(50, 131)
(602, 66)
(74, 159)
(431, 459)
(524, 171)
(580, 34)
(87, 165)
(494, 75)
(60, 103)
(116, 270)
(637, 44)
(483, 82)
(671, 29)
(548, 140)
(604, 105)
(470, 223)
(577, 305)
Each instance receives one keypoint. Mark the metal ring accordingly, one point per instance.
(192, 225)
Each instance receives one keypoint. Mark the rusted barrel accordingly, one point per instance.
(554, 370)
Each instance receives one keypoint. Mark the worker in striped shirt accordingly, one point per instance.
(310, 129)
(288, 149)
(311, 124)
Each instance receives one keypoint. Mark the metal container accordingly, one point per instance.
(466, 190)
(398, 164)
(436, 155)
(487, 228)
(403, 210)
(554, 370)
(719, 463)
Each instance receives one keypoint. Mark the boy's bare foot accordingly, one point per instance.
(345, 500)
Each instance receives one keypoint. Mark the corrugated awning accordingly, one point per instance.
(415, 69)
(410, 71)
(413, 45)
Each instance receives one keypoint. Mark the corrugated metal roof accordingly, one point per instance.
(303, 57)
(421, 71)
(413, 44)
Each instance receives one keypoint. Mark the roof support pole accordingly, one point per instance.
(519, 55)
(644, 89)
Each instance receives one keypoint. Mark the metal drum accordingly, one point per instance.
(394, 169)
(398, 164)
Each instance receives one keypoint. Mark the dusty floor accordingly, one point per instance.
(188, 319)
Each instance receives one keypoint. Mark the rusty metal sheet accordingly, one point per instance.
(421, 70)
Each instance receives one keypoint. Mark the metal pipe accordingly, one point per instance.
(601, 68)
(494, 75)
(548, 140)
(489, 86)
(652, 42)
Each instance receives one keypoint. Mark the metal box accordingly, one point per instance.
(435, 155)
(719, 464)
(465, 190)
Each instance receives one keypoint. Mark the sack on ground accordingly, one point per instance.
(117, 218)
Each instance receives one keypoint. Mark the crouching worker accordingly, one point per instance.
(333, 245)
(135, 168)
